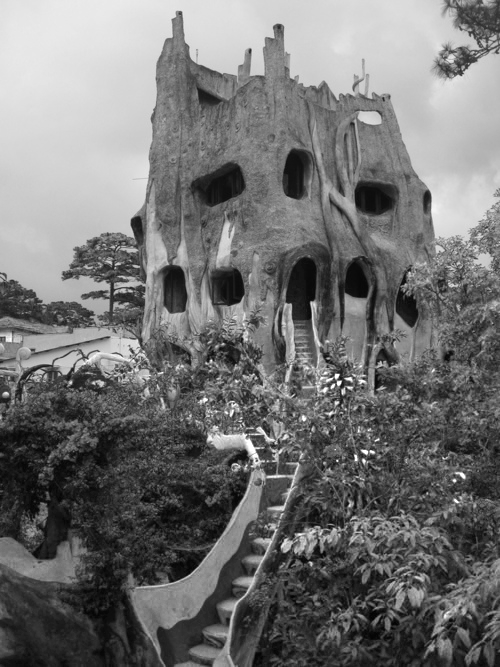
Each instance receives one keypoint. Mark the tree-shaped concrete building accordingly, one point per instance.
(267, 195)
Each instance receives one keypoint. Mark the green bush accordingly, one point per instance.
(145, 494)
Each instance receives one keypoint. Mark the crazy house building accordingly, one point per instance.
(267, 195)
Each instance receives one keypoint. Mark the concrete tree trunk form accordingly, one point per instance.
(249, 175)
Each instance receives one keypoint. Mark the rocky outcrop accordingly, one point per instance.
(37, 627)
(40, 625)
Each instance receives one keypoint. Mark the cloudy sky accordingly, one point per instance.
(78, 88)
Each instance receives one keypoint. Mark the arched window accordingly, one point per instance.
(373, 200)
(207, 99)
(406, 305)
(297, 174)
(301, 288)
(174, 290)
(136, 224)
(356, 283)
(222, 185)
(227, 287)
(427, 202)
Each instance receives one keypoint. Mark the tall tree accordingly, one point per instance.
(110, 258)
(480, 19)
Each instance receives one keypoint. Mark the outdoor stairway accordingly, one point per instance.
(215, 635)
(305, 352)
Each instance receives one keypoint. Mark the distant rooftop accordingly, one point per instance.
(42, 342)
(29, 327)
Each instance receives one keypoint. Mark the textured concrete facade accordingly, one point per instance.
(265, 194)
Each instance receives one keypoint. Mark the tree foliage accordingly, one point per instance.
(23, 303)
(480, 20)
(18, 301)
(110, 258)
(68, 313)
(395, 552)
(396, 525)
(463, 294)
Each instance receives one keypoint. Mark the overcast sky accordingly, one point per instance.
(77, 88)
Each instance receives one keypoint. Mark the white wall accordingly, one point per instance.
(111, 344)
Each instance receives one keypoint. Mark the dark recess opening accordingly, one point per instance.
(301, 288)
(293, 176)
(370, 199)
(136, 224)
(174, 290)
(427, 201)
(406, 306)
(207, 98)
(356, 284)
(227, 287)
(226, 186)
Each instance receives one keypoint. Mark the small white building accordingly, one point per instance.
(13, 330)
(64, 349)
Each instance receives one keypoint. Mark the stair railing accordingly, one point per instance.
(171, 614)
(248, 619)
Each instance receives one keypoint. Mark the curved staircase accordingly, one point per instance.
(189, 621)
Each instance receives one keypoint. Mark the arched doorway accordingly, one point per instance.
(301, 288)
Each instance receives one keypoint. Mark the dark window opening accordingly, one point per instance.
(207, 98)
(406, 306)
(136, 224)
(226, 186)
(293, 176)
(427, 202)
(371, 199)
(301, 288)
(227, 287)
(174, 290)
(356, 284)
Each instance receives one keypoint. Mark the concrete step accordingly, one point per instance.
(216, 634)
(251, 563)
(275, 512)
(225, 609)
(240, 586)
(260, 544)
(276, 484)
(204, 654)
(271, 528)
